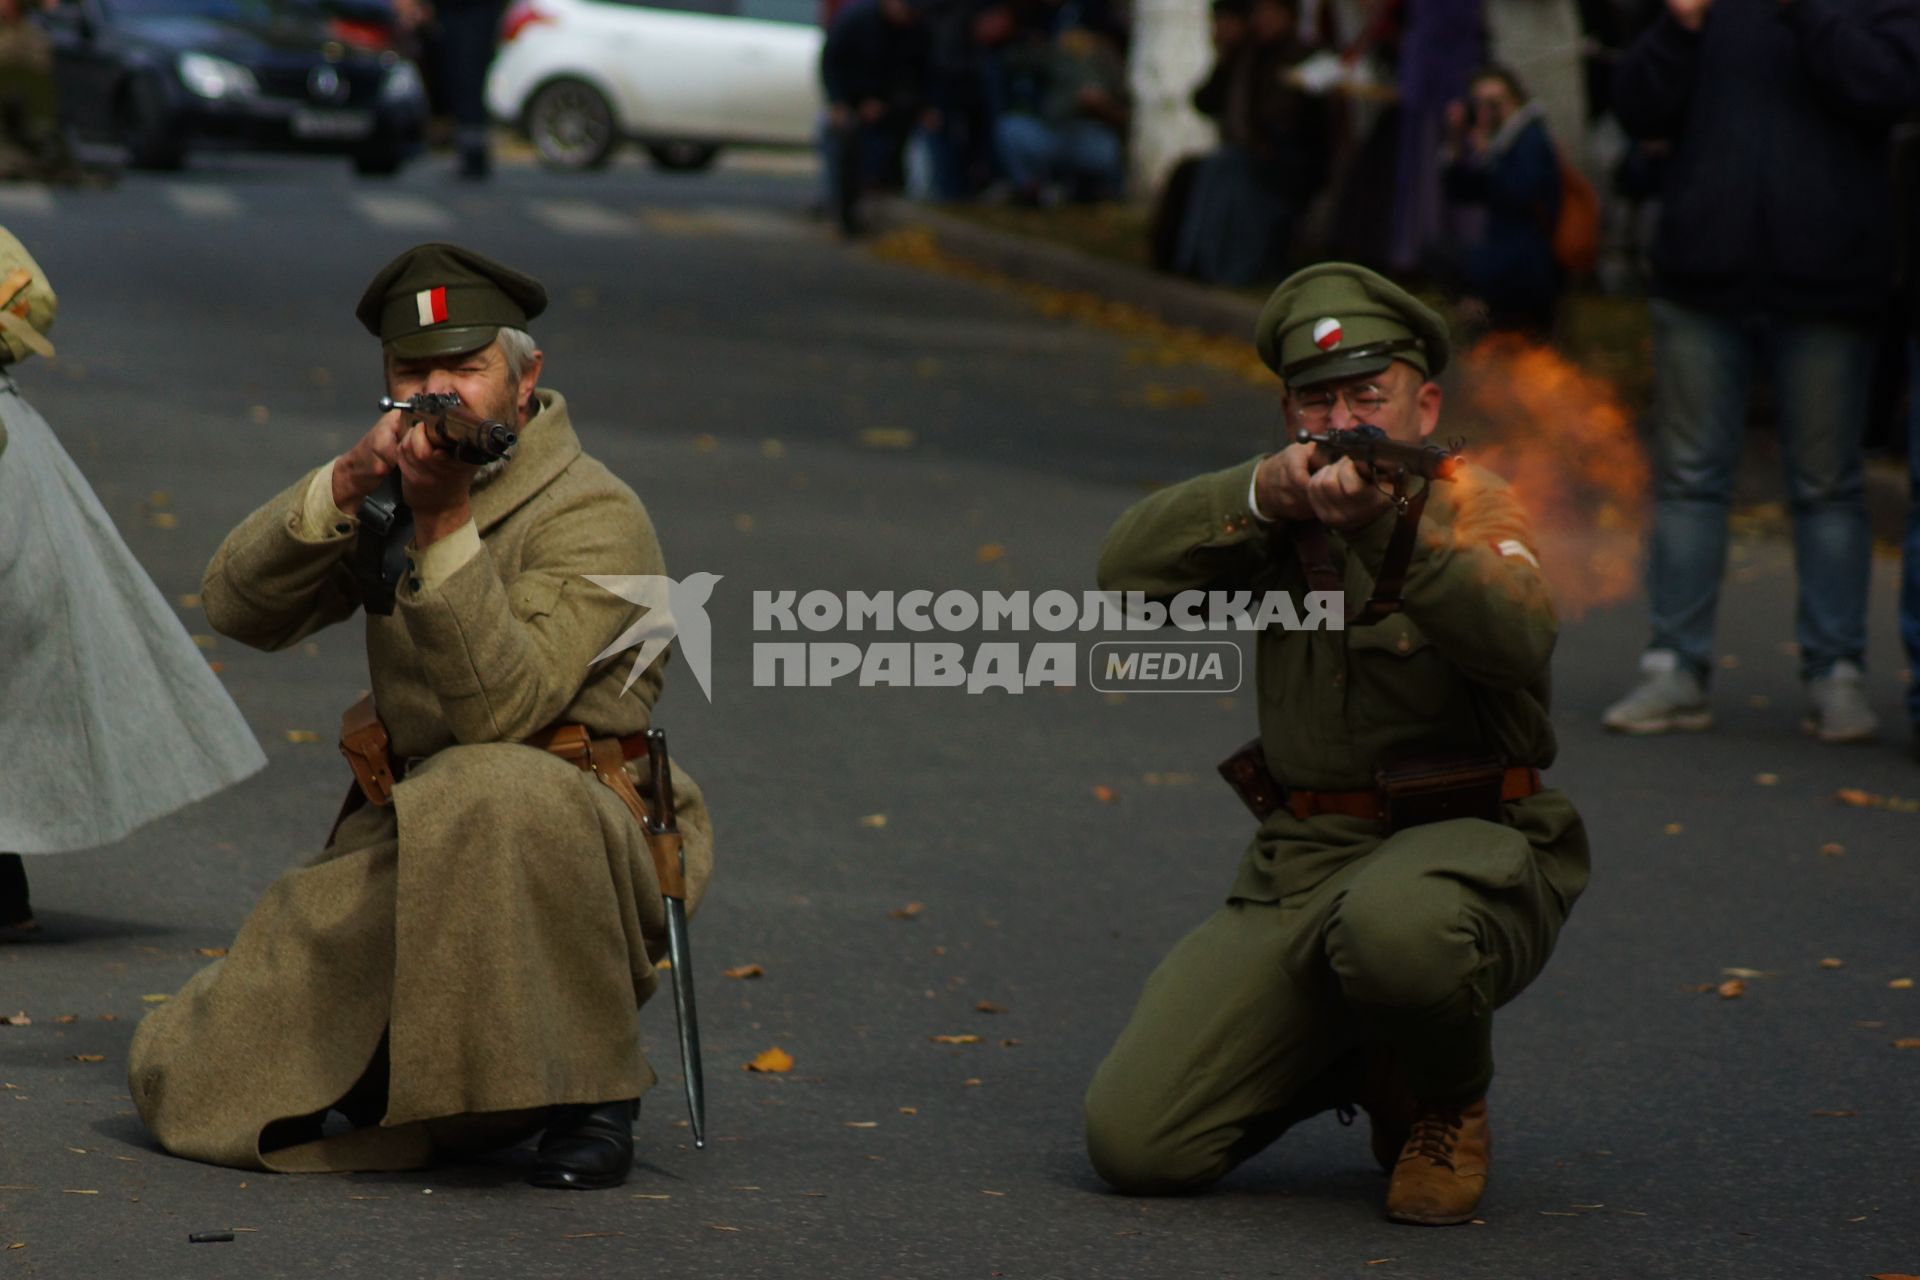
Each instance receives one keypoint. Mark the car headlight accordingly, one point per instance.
(402, 84)
(212, 77)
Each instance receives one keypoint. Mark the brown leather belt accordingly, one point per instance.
(1515, 784)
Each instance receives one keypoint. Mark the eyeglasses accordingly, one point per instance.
(1315, 407)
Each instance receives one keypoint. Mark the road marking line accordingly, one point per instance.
(581, 218)
(203, 202)
(29, 199)
(402, 212)
(764, 223)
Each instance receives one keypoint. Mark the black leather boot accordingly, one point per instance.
(16, 912)
(587, 1146)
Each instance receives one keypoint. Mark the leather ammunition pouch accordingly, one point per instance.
(363, 741)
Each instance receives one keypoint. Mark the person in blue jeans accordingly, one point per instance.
(1775, 254)
(1071, 132)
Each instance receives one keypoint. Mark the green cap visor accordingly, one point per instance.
(1360, 362)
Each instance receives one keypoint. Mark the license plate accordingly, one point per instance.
(332, 125)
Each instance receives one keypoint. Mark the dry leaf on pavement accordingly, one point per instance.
(302, 735)
(1674, 828)
(1901, 984)
(1833, 849)
(212, 952)
(1767, 779)
(1731, 989)
(746, 971)
(1832, 962)
(989, 552)
(874, 821)
(65, 1018)
(16, 1020)
(959, 1039)
(1907, 1042)
(909, 911)
(153, 999)
(1103, 794)
(1833, 1114)
(988, 1006)
(863, 1124)
(775, 1061)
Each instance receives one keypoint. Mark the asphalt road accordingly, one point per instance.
(798, 414)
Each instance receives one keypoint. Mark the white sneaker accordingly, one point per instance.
(1840, 712)
(1668, 697)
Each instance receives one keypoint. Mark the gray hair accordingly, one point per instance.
(517, 349)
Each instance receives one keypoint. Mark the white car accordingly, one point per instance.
(681, 77)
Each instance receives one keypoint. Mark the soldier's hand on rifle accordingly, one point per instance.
(360, 470)
(436, 484)
(1342, 498)
(1280, 484)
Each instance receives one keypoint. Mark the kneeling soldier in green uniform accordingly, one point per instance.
(1410, 874)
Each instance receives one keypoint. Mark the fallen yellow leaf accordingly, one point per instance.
(1767, 779)
(908, 912)
(1831, 962)
(67, 1017)
(1901, 984)
(990, 552)
(772, 449)
(1907, 1042)
(211, 952)
(874, 821)
(156, 999)
(164, 520)
(190, 601)
(1674, 828)
(775, 1061)
(909, 1111)
(1830, 1113)
(746, 971)
(1731, 989)
(988, 1006)
(1833, 850)
(1103, 794)
(302, 735)
(204, 642)
(972, 1083)
(959, 1039)
(16, 1020)
(863, 1124)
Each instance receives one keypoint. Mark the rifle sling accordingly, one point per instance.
(1316, 559)
(380, 551)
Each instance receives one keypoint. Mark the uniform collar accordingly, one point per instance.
(547, 447)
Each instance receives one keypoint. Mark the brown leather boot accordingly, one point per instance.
(1443, 1168)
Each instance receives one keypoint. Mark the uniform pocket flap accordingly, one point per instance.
(1396, 635)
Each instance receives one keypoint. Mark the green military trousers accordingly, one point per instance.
(1411, 941)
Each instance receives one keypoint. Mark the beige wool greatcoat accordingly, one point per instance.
(498, 922)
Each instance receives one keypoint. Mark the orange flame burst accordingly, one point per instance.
(1567, 445)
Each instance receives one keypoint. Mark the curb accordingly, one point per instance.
(1175, 301)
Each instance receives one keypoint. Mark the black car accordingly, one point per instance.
(162, 76)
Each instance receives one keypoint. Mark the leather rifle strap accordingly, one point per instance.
(1309, 539)
(1385, 600)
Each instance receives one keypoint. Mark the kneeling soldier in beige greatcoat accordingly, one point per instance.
(1409, 874)
(463, 965)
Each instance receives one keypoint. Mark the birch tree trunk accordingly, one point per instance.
(1172, 51)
